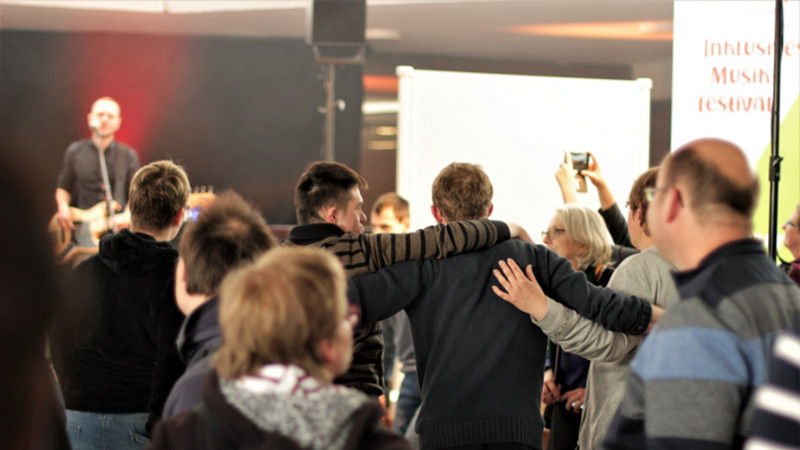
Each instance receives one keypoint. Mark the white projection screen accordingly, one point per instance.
(518, 128)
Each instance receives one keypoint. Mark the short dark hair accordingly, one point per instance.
(710, 191)
(227, 233)
(324, 183)
(462, 191)
(158, 193)
(398, 205)
(637, 199)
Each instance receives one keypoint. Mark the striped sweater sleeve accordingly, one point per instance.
(367, 253)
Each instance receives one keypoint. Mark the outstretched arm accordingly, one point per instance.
(366, 253)
(613, 310)
(383, 294)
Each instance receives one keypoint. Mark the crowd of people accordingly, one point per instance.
(206, 332)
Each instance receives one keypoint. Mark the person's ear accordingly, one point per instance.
(491, 208)
(437, 214)
(178, 218)
(673, 204)
(638, 215)
(330, 356)
(330, 213)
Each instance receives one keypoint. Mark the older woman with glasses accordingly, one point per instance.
(578, 234)
(287, 333)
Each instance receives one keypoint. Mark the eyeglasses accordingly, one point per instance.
(551, 233)
(353, 315)
(650, 192)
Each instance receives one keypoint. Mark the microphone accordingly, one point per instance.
(94, 124)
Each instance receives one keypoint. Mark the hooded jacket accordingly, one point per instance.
(199, 338)
(281, 408)
(115, 351)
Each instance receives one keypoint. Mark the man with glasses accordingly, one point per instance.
(690, 385)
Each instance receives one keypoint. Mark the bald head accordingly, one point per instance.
(716, 180)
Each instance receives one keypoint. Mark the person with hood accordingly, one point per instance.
(287, 333)
(115, 354)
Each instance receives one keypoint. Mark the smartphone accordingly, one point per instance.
(580, 161)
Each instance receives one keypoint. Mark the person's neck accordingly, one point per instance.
(105, 142)
(644, 242)
(165, 235)
(695, 247)
(190, 302)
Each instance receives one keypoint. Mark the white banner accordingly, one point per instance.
(723, 78)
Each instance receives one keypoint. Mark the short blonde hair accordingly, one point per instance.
(585, 227)
(278, 310)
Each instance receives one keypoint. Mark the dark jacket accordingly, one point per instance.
(282, 422)
(480, 360)
(199, 338)
(366, 253)
(116, 353)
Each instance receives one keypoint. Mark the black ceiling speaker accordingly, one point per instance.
(337, 23)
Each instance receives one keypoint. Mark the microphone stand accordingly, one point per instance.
(107, 184)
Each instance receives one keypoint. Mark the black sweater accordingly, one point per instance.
(480, 361)
(117, 353)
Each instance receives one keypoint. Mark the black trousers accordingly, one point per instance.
(564, 428)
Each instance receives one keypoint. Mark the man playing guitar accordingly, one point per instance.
(96, 170)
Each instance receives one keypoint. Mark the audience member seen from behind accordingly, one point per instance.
(227, 234)
(30, 293)
(115, 357)
(330, 215)
(578, 234)
(390, 214)
(791, 240)
(287, 332)
(478, 360)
